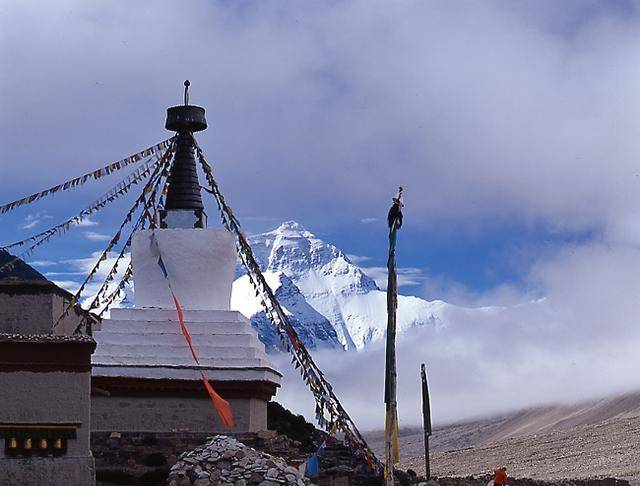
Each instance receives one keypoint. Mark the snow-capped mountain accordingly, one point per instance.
(313, 328)
(332, 285)
(331, 302)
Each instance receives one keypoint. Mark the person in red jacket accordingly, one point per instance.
(500, 476)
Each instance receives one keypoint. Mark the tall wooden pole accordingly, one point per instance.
(426, 420)
(390, 396)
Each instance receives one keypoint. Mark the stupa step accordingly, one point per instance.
(163, 315)
(177, 339)
(150, 327)
(257, 373)
(182, 362)
(160, 350)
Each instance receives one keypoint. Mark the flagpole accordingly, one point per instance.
(426, 420)
(391, 405)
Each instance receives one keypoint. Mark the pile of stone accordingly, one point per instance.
(223, 461)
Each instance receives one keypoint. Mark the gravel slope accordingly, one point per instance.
(609, 449)
(599, 438)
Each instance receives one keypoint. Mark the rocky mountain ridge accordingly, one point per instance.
(320, 275)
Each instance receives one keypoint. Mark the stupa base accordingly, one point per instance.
(149, 405)
(144, 378)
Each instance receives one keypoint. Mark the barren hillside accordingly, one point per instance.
(594, 439)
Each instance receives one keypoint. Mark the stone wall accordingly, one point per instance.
(25, 313)
(33, 308)
(55, 397)
(45, 382)
(184, 414)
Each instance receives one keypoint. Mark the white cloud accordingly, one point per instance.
(482, 110)
(358, 259)
(32, 220)
(86, 264)
(93, 236)
(59, 274)
(87, 221)
(368, 220)
(69, 285)
(43, 263)
(407, 276)
(578, 342)
(30, 224)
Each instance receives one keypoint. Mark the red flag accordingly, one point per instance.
(222, 406)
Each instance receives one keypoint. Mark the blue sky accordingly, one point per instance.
(513, 127)
(497, 118)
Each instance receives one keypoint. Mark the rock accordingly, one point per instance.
(256, 478)
(224, 461)
(266, 434)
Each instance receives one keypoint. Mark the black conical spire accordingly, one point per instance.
(184, 186)
(183, 206)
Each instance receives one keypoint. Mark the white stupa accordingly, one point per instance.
(144, 376)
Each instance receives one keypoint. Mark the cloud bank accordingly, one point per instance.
(578, 342)
(482, 111)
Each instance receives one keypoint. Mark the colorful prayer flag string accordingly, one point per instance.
(115, 192)
(153, 180)
(96, 174)
(145, 216)
(319, 386)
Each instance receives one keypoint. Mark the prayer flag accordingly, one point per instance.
(222, 406)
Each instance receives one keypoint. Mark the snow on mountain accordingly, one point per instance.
(335, 287)
(331, 302)
(312, 327)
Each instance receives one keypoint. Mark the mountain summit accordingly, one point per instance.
(331, 302)
(308, 274)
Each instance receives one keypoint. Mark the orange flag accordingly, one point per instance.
(222, 406)
(185, 331)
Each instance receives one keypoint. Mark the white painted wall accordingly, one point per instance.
(200, 263)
